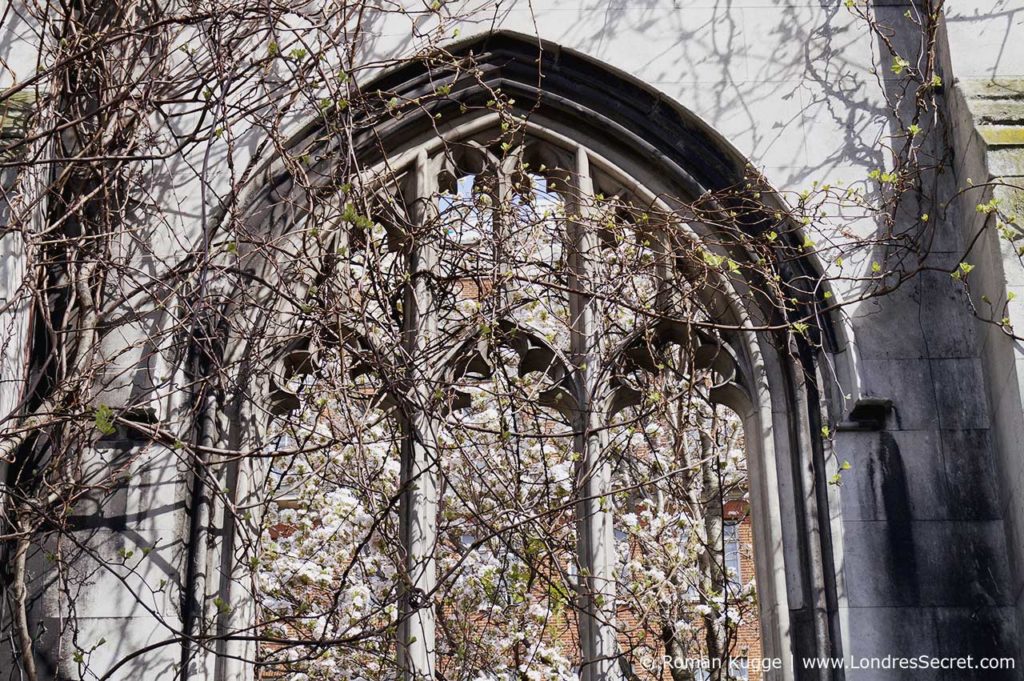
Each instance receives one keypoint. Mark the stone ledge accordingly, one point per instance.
(997, 107)
(1002, 135)
(14, 113)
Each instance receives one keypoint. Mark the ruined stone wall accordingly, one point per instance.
(927, 528)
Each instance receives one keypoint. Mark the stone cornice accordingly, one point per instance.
(997, 107)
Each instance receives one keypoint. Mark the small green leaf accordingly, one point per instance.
(988, 207)
(104, 420)
(712, 259)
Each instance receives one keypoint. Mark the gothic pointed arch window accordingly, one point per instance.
(533, 437)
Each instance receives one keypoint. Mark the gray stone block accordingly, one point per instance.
(978, 632)
(908, 383)
(123, 637)
(880, 564)
(892, 475)
(948, 327)
(970, 469)
(961, 563)
(881, 632)
(960, 394)
(874, 319)
(927, 563)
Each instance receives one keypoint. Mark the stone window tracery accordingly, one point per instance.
(528, 300)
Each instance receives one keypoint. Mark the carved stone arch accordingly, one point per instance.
(536, 355)
(301, 354)
(647, 348)
(647, 146)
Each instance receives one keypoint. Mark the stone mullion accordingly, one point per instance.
(503, 225)
(419, 473)
(665, 271)
(594, 514)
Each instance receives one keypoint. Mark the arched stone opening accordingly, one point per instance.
(610, 138)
